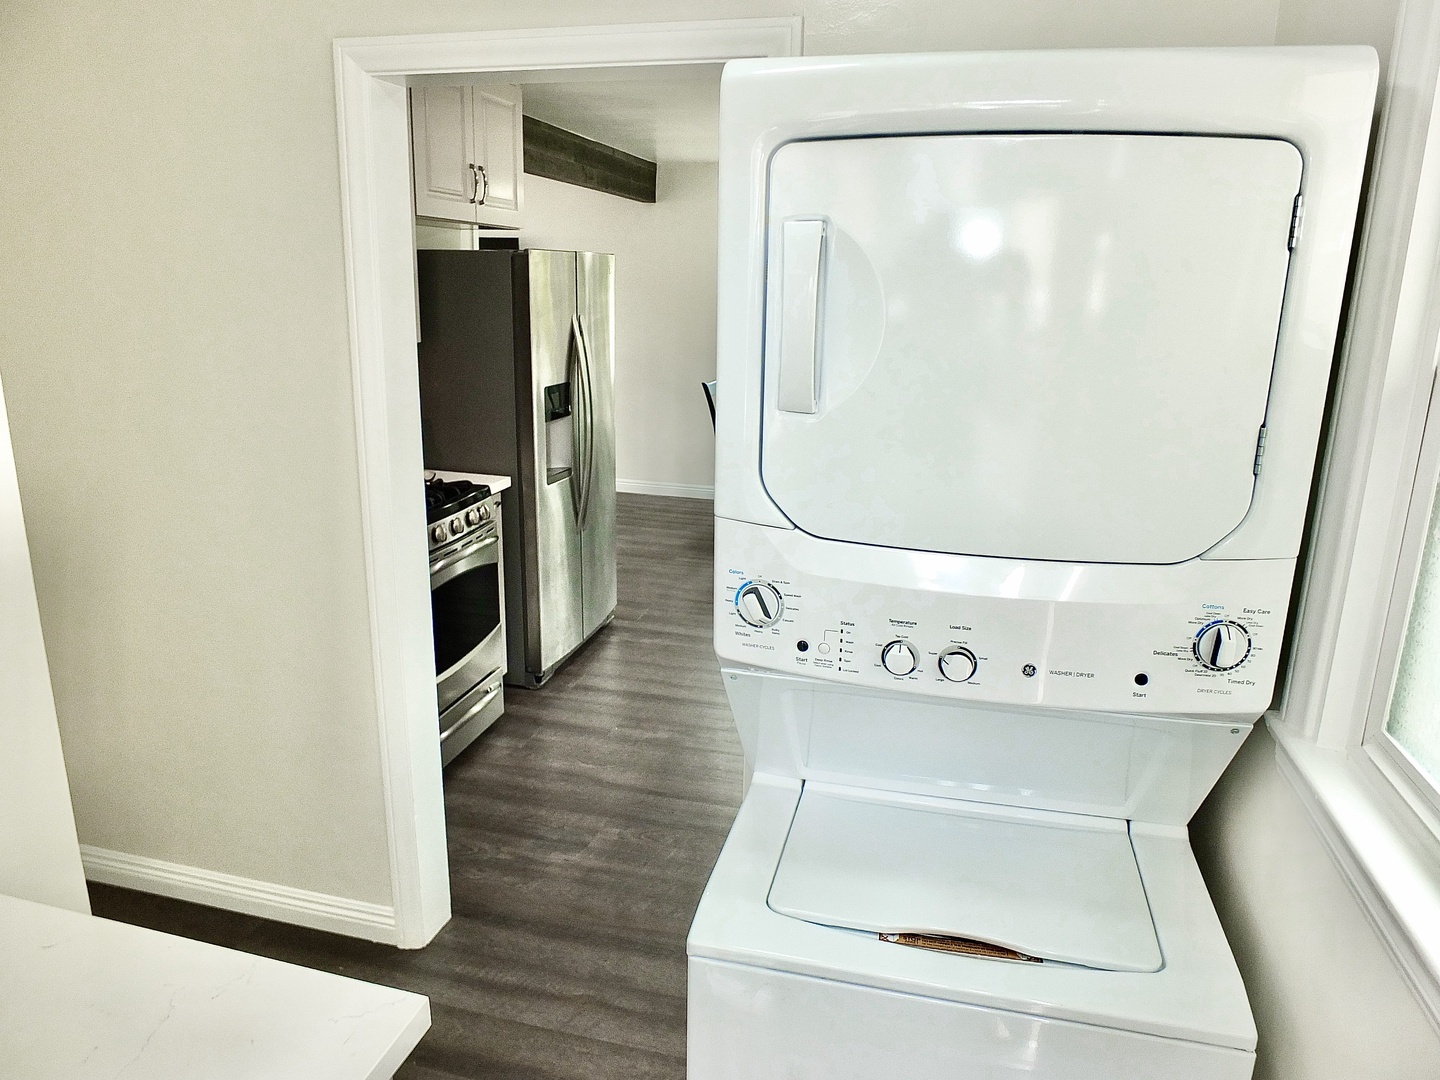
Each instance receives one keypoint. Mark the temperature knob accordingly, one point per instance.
(438, 533)
(1222, 645)
(898, 658)
(759, 604)
(958, 664)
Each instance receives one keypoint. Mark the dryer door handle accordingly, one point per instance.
(802, 255)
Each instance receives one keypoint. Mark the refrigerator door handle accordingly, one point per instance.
(589, 388)
(574, 375)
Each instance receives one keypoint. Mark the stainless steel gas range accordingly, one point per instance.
(467, 607)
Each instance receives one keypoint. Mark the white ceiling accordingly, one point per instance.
(660, 114)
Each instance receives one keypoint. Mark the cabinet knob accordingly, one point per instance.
(482, 184)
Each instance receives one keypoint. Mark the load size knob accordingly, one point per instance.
(1222, 645)
(958, 664)
(759, 604)
(898, 658)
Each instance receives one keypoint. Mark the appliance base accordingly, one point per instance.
(531, 680)
(751, 1023)
(463, 722)
(774, 997)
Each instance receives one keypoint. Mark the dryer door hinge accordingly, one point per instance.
(1259, 449)
(1297, 220)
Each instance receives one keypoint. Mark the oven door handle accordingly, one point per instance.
(481, 553)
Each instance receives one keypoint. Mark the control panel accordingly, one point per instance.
(1195, 639)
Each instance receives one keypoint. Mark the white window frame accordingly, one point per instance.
(1419, 791)
(1378, 815)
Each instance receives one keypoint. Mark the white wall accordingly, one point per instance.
(174, 347)
(664, 315)
(1338, 22)
(1329, 1002)
(39, 856)
(174, 344)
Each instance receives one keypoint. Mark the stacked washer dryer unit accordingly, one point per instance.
(1022, 364)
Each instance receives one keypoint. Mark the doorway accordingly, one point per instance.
(372, 78)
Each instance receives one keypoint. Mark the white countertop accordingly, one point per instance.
(83, 998)
(494, 481)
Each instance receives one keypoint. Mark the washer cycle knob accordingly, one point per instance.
(898, 658)
(958, 664)
(759, 604)
(1222, 645)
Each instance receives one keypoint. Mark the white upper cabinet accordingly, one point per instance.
(467, 153)
(499, 141)
(1048, 347)
(442, 132)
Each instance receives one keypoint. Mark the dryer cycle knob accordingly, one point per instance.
(958, 664)
(759, 604)
(898, 658)
(1222, 645)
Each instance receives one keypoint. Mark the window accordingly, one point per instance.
(1402, 731)
(1413, 721)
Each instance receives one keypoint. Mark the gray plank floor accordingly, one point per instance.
(582, 827)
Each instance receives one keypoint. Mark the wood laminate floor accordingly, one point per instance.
(582, 827)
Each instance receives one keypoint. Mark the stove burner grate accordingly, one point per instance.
(445, 497)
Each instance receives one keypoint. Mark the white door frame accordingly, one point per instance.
(371, 75)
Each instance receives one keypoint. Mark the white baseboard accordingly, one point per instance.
(675, 491)
(283, 903)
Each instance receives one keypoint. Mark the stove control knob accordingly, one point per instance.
(437, 533)
(456, 525)
(759, 604)
(472, 516)
(898, 658)
(484, 513)
(958, 664)
(1222, 645)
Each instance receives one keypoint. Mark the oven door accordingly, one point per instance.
(467, 610)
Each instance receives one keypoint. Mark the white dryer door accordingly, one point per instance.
(1027, 346)
(1053, 886)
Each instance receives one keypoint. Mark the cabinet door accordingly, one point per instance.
(442, 127)
(498, 147)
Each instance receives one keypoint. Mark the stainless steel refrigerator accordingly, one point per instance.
(516, 378)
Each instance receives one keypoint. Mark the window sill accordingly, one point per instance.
(1391, 862)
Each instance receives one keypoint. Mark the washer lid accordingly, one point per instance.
(1055, 886)
(1050, 347)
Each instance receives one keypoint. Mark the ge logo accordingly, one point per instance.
(1028, 671)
